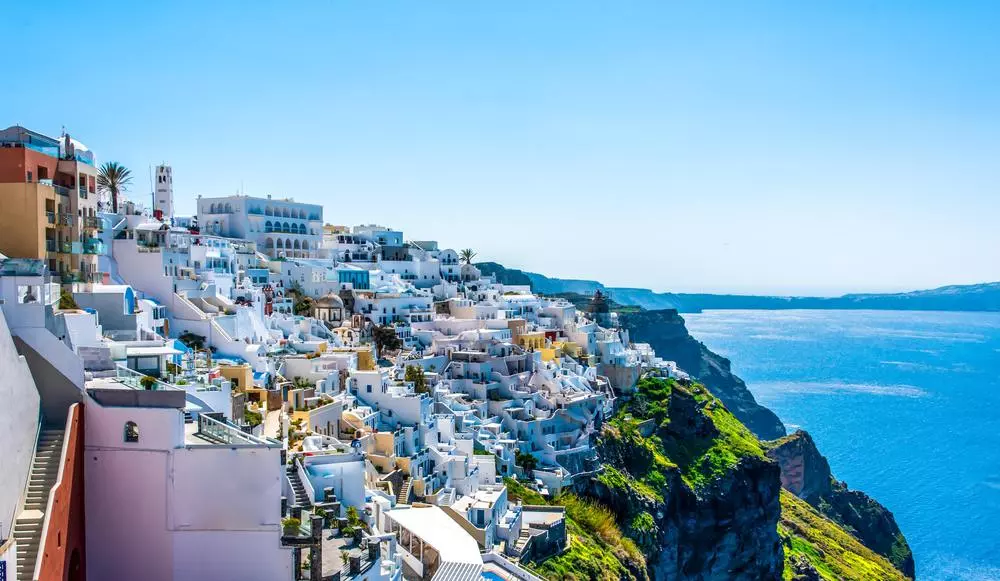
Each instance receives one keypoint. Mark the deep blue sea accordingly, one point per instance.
(905, 405)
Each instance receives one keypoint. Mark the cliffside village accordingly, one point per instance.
(253, 393)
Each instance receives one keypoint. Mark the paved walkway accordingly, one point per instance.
(272, 423)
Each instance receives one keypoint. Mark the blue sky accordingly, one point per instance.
(780, 147)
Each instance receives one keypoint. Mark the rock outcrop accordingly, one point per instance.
(665, 331)
(698, 503)
(806, 474)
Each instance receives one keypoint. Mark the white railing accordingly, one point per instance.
(226, 433)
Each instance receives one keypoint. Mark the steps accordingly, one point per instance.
(28, 526)
(301, 497)
(403, 497)
(522, 542)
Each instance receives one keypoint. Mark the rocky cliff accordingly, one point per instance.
(687, 492)
(665, 331)
(806, 474)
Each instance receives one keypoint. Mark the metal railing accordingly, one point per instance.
(226, 433)
(135, 380)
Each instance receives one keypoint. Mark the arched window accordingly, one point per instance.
(296, 245)
(288, 243)
(286, 227)
(269, 243)
(131, 432)
(268, 227)
(268, 211)
(284, 213)
(305, 245)
(280, 243)
(211, 209)
(229, 208)
(302, 228)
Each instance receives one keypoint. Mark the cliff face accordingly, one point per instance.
(665, 331)
(695, 491)
(806, 474)
(691, 486)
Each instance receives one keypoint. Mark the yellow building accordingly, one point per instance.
(240, 375)
(532, 341)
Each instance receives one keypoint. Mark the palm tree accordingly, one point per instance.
(466, 256)
(114, 179)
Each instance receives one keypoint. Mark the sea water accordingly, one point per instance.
(905, 405)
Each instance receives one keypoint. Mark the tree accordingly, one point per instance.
(114, 179)
(527, 462)
(66, 301)
(385, 338)
(466, 256)
(415, 373)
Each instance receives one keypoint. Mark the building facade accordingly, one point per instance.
(281, 228)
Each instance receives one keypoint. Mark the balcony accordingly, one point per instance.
(51, 217)
(50, 245)
(65, 219)
(93, 246)
(93, 222)
(83, 191)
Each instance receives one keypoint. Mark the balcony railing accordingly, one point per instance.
(65, 219)
(51, 217)
(93, 222)
(135, 380)
(50, 245)
(93, 246)
(226, 433)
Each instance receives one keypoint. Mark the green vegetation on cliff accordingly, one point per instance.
(686, 490)
(705, 440)
(597, 548)
(833, 553)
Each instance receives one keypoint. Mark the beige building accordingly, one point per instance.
(48, 196)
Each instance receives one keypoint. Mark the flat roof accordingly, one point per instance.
(145, 351)
(437, 529)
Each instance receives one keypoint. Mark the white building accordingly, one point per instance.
(164, 192)
(279, 227)
(170, 500)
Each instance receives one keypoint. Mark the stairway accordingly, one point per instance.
(403, 497)
(522, 542)
(28, 526)
(301, 498)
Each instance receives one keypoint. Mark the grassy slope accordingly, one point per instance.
(834, 553)
(597, 548)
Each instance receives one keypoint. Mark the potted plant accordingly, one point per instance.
(345, 557)
(290, 525)
(147, 382)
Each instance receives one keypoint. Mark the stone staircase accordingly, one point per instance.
(301, 497)
(522, 542)
(28, 526)
(403, 496)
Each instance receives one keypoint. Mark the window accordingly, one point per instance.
(369, 388)
(131, 432)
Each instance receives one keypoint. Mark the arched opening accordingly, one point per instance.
(296, 245)
(268, 227)
(131, 432)
(285, 227)
(268, 211)
(284, 213)
(269, 243)
(280, 243)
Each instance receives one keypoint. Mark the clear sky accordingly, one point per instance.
(779, 147)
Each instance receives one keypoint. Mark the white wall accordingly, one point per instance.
(18, 428)
(161, 512)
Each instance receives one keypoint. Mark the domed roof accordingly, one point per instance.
(330, 301)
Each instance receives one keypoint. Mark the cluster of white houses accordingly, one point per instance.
(252, 394)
